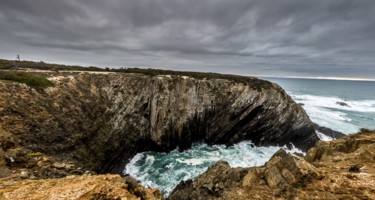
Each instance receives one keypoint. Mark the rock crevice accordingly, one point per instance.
(98, 121)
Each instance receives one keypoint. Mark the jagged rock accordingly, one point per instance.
(334, 150)
(326, 172)
(210, 184)
(281, 172)
(285, 169)
(255, 176)
(328, 132)
(98, 121)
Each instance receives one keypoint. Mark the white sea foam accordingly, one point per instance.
(332, 102)
(323, 137)
(150, 158)
(165, 171)
(326, 111)
(192, 161)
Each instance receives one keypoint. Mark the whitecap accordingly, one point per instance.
(193, 161)
(132, 167)
(150, 158)
(323, 137)
(325, 111)
(167, 170)
(332, 102)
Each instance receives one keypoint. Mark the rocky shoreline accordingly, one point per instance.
(93, 122)
(339, 169)
(96, 121)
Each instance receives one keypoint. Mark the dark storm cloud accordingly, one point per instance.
(286, 37)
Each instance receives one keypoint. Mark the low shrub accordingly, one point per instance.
(27, 78)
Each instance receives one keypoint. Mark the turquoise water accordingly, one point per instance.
(320, 97)
(166, 170)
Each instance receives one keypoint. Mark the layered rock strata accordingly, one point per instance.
(96, 121)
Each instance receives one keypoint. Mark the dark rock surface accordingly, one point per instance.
(328, 132)
(342, 104)
(98, 120)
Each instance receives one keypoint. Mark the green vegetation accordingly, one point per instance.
(35, 154)
(11, 64)
(256, 83)
(27, 78)
(198, 75)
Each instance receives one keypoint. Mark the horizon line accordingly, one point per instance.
(320, 78)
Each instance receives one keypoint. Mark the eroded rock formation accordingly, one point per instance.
(340, 169)
(96, 121)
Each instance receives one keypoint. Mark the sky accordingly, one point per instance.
(325, 38)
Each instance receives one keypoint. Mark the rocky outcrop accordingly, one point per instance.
(223, 182)
(340, 169)
(76, 187)
(328, 132)
(96, 121)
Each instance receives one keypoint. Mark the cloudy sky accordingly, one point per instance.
(249, 37)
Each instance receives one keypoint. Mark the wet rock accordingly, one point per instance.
(342, 104)
(328, 132)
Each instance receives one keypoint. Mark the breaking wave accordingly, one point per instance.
(166, 170)
(346, 116)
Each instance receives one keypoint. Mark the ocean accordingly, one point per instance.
(322, 98)
(344, 106)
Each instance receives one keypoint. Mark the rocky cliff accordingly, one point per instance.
(340, 169)
(96, 121)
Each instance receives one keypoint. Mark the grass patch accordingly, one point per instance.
(198, 75)
(27, 78)
(11, 64)
(252, 81)
(35, 154)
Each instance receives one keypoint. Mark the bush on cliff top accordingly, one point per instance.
(27, 78)
(12, 64)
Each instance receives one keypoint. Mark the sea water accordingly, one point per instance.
(166, 170)
(320, 98)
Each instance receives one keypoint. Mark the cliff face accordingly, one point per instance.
(98, 120)
(340, 169)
